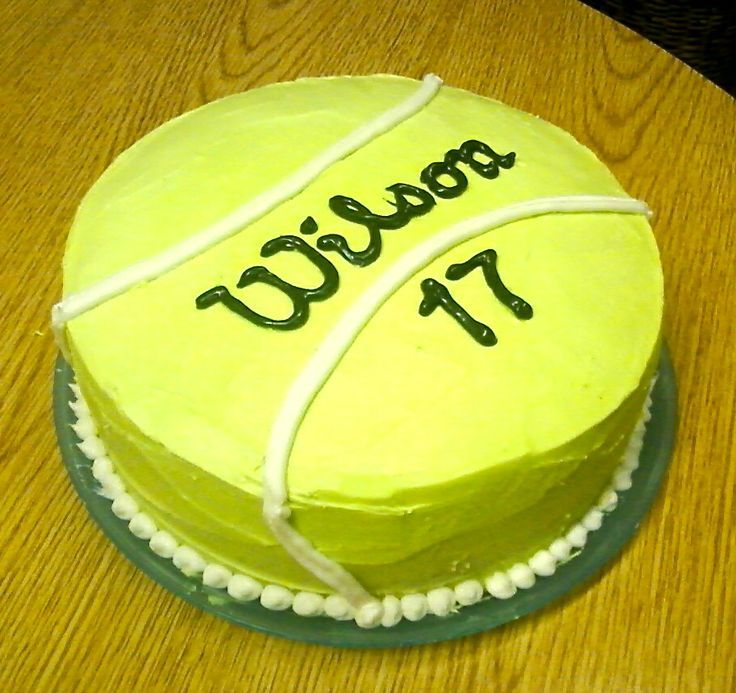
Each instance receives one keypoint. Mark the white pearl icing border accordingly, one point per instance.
(441, 601)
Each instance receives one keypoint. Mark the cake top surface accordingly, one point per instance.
(417, 403)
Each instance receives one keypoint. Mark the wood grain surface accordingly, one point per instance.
(80, 80)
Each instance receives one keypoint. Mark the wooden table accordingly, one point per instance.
(83, 79)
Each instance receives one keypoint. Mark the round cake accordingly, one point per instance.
(381, 337)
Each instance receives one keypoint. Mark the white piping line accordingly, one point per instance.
(145, 270)
(334, 346)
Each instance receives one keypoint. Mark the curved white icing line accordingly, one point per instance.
(328, 571)
(329, 353)
(81, 301)
(499, 585)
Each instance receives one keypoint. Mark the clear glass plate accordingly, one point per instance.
(603, 544)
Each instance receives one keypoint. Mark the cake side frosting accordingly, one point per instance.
(440, 601)
(191, 394)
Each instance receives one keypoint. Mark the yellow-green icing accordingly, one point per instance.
(426, 458)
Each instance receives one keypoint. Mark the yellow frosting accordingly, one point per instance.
(426, 458)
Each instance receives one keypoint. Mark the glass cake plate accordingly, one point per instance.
(601, 547)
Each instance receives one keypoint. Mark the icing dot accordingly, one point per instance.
(391, 611)
(369, 615)
(522, 576)
(593, 520)
(543, 563)
(85, 427)
(79, 407)
(308, 604)
(468, 592)
(337, 607)
(124, 507)
(188, 561)
(414, 607)
(622, 480)
(560, 549)
(92, 447)
(216, 575)
(112, 486)
(628, 466)
(243, 588)
(163, 544)
(276, 598)
(500, 586)
(631, 457)
(636, 442)
(142, 526)
(608, 500)
(75, 389)
(647, 411)
(101, 468)
(441, 601)
(577, 536)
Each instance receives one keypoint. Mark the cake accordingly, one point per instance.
(361, 346)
